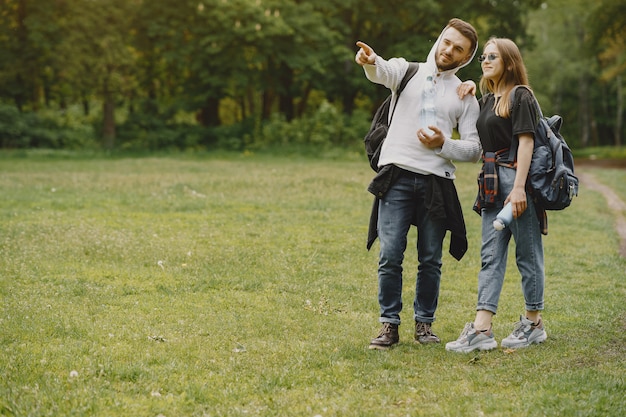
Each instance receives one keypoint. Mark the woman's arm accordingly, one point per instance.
(517, 197)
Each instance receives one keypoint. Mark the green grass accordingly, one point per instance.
(613, 178)
(186, 286)
(601, 152)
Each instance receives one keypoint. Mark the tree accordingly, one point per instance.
(105, 60)
(28, 32)
(66, 50)
(243, 61)
(608, 34)
(562, 83)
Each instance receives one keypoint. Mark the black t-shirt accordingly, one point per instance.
(497, 133)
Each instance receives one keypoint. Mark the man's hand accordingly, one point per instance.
(466, 88)
(365, 55)
(431, 141)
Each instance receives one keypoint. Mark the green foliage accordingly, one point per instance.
(575, 68)
(143, 131)
(325, 128)
(315, 133)
(34, 130)
(270, 60)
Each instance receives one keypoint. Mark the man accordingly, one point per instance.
(415, 180)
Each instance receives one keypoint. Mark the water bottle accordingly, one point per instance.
(428, 114)
(504, 218)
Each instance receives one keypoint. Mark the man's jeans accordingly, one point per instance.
(402, 205)
(526, 232)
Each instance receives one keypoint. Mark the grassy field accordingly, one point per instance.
(613, 178)
(241, 286)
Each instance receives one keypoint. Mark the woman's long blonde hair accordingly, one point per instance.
(514, 74)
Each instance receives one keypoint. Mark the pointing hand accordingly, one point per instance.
(365, 55)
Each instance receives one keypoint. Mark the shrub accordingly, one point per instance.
(319, 131)
(148, 132)
(31, 130)
(327, 127)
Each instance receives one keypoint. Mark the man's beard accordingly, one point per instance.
(446, 67)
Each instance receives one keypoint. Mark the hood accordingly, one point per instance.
(430, 61)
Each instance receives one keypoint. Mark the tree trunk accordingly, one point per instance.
(285, 100)
(108, 111)
(18, 97)
(268, 100)
(86, 106)
(619, 111)
(348, 102)
(209, 114)
(251, 99)
(108, 128)
(301, 109)
(286, 106)
(21, 35)
(583, 110)
(242, 107)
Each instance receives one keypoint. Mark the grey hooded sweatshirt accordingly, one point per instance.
(402, 147)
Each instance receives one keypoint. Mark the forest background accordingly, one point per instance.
(249, 75)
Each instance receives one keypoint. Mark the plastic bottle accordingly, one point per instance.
(504, 218)
(428, 113)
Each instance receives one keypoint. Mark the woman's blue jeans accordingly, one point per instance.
(526, 232)
(404, 204)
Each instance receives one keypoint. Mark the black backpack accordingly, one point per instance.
(551, 175)
(380, 124)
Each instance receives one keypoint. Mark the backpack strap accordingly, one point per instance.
(410, 72)
(512, 98)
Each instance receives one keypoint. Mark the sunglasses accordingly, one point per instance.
(490, 57)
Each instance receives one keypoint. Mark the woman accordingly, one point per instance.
(506, 134)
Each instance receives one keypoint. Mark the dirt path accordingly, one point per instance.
(614, 203)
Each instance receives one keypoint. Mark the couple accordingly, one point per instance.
(416, 163)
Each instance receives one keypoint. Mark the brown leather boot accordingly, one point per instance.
(424, 333)
(387, 337)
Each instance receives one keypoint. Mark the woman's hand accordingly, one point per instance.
(517, 197)
(466, 88)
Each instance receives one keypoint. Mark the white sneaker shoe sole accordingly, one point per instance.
(462, 348)
(517, 344)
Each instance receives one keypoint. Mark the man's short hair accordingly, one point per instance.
(466, 30)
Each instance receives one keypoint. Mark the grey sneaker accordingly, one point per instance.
(471, 339)
(387, 337)
(525, 334)
(424, 333)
